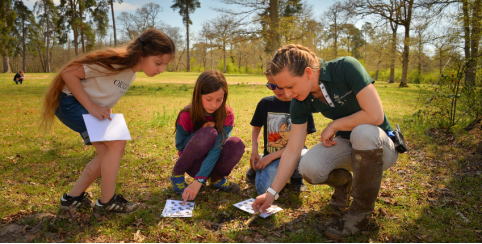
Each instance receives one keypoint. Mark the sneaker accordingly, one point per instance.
(225, 185)
(178, 183)
(118, 204)
(297, 185)
(69, 203)
(251, 175)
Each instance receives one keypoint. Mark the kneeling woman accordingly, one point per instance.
(203, 129)
(342, 91)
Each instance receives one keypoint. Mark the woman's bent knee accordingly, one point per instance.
(366, 137)
(312, 175)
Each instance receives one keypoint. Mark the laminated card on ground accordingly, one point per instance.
(107, 130)
(174, 208)
(246, 206)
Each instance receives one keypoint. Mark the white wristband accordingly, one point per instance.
(273, 192)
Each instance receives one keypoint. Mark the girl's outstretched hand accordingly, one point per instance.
(191, 191)
(99, 112)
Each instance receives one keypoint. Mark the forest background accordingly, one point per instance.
(403, 41)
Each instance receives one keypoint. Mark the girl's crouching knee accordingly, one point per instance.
(235, 146)
(204, 135)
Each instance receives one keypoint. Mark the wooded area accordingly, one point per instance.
(405, 41)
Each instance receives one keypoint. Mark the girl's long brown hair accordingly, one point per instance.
(208, 82)
(151, 42)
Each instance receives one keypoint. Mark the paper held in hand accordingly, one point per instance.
(174, 208)
(246, 206)
(107, 130)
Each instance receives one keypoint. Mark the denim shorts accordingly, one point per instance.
(70, 113)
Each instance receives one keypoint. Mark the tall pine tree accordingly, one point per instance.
(186, 7)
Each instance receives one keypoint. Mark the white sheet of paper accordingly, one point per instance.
(174, 208)
(107, 130)
(246, 206)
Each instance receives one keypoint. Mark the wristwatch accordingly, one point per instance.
(202, 181)
(273, 192)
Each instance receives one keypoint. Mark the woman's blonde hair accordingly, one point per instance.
(296, 58)
(151, 42)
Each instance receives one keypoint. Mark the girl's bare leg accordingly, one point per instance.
(91, 171)
(109, 167)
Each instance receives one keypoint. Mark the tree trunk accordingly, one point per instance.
(474, 43)
(406, 45)
(224, 56)
(188, 66)
(113, 22)
(81, 27)
(6, 63)
(74, 27)
(47, 65)
(465, 10)
(274, 24)
(24, 66)
(420, 51)
(394, 27)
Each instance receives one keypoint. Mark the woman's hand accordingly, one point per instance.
(191, 191)
(209, 123)
(263, 162)
(327, 136)
(263, 202)
(99, 112)
(253, 159)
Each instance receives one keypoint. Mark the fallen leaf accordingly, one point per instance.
(138, 237)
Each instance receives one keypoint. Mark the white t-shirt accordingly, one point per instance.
(103, 88)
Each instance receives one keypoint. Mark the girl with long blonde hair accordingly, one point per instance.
(93, 84)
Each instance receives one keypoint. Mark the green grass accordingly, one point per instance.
(424, 194)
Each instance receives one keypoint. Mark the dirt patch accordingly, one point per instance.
(18, 232)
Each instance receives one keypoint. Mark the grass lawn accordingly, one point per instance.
(432, 194)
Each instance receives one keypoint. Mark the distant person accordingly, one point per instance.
(203, 130)
(93, 84)
(273, 114)
(18, 77)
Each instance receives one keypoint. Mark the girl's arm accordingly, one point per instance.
(182, 137)
(371, 113)
(72, 77)
(255, 135)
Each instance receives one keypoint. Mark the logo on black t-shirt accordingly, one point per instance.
(279, 127)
